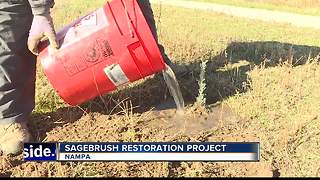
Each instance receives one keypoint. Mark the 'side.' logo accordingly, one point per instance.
(40, 152)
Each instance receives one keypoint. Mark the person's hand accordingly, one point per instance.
(42, 28)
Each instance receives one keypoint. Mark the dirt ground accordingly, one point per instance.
(158, 121)
(194, 124)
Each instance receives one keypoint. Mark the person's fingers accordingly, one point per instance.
(42, 28)
(52, 39)
(33, 44)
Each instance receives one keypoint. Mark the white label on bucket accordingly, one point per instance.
(83, 27)
(80, 29)
(89, 20)
(116, 74)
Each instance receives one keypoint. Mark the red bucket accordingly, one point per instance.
(110, 47)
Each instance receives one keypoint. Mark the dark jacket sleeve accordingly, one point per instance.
(40, 7)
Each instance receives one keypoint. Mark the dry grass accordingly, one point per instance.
(283, 108)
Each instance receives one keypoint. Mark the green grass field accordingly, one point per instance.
(307, 7)
(267, 73)
(187, 38)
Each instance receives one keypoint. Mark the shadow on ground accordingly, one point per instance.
(226, 74)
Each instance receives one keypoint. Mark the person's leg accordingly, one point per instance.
(17, 74)
(148, 14)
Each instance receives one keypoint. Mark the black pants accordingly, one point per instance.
(17, 64)
(148, 14)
